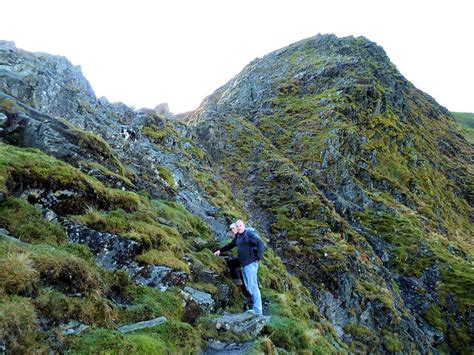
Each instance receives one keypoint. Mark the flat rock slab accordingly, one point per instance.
(240, 324)
(141, 325)
(203, 299)
(73, 327)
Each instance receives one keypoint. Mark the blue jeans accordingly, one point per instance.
(250, 279)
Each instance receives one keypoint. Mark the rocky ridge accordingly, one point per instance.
(359, 182)
(363, 182)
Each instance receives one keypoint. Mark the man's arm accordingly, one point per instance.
(229, 246)
(254, 239)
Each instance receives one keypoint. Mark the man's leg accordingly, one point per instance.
(234, 268)
(250, 278)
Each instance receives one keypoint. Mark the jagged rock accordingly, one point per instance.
(204, 300)
(111, 250)
(207, 276)
(240, 324)
(73, 327)
(141, 325)
(160, 277)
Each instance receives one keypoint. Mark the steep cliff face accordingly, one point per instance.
(357, 180)
(363, 183)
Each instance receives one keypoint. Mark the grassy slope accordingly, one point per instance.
(466, 123)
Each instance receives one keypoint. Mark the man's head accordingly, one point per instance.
(240, 225)
(233, 229)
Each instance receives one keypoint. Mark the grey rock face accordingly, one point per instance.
(158, 276)
(111, 250)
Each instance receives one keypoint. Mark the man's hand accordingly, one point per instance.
(217, 253)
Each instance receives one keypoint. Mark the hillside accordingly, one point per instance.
(466, 123)
(362, 182)
(358, 182)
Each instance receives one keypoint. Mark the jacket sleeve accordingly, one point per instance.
(229, 246)
(254, 239)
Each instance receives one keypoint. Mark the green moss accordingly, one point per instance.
(92, 142)
(207, 259)
(186, 223)
(149, 303)
(64, 270)
(392, 343)
(434, 317)
(205, 287)
(178, 336)
(26, 223)
(101, 341)
(157, 134)
(163, 257)
(124, 178)
(459, 340)
(18, 165)
(219, 193)
(18, 325)
(375, 292)
(362, 335)
(140, 226)
(287, 333)
(166, 175)
(17, 274)
(146, 344)
(58, 308)
(405, 233)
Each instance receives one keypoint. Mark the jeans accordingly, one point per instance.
(249, 273)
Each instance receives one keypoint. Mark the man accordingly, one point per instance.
(250, 250)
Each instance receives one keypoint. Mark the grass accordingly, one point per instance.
(465, 121)
(36, 169)
(25, 222)
(58, 308)
(18, 275)
(19, 325)
(434, 317)
(166, 175)
(163, 257)
(149, 303)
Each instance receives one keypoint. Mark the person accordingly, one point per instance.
(250, 250)
(234, 265)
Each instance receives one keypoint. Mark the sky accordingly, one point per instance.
(146, 52)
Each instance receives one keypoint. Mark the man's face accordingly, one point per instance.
(233, 230)
(240, 227)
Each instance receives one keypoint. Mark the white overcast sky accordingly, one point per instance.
(147, 52)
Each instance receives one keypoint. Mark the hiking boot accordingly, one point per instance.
(238, 282)
(248, 304)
